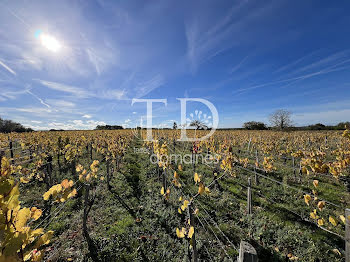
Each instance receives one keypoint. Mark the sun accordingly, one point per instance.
(50, 42)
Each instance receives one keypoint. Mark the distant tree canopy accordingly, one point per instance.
(174, 125)
(343, 125)
(109, 127)
(317, 126)
(253, 125)
(8, 126)
(55, 130)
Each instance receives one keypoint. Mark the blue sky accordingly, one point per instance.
(248, 58)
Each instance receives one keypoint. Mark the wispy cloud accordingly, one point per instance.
(60, 103)
(12, 95)
(80, 92)
(113, 94)
(35, 110)
(334, 58)
(238, 66)
(101, 59)
(294, 63)
(206, 40)
(69, 125)
(41, 101)
(327, 70)
(7, 68)
(145, 87)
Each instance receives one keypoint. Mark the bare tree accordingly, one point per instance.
(281, 119)
(198, 124)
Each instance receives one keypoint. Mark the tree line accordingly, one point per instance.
(8, 126)
(281, 120)
(108, 127)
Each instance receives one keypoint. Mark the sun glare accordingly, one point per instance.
(50, 42)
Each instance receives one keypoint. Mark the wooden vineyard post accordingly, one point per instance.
(249, 197)
(193, 239)
(49, 169)
(347, 235)
(11, 152)
(164, 180)
(300, 172)
(91, 151)
(193, 159)
(256, 165)
(58, 160)
(293, 164)
(256, 178)
(250, 140)
(1, 156)
(108, 175)
(247, 253)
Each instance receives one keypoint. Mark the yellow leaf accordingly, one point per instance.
(336, 251)
(313, 215)
(176, 183)
(72, 194)
(320, 222)
(315, 183)
(332, 221)
(184, 205)
(162, 191)
(304, 170)
(35, 213)
(307, 198)
(22, 217)
(321, 205)
(24, 180)
(65, 183)
(342, 218)
(180, 234)
(190, 232)
(196, 178)
(44, 239)
(201, 188)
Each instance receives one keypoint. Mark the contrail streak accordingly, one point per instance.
(7, 68)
